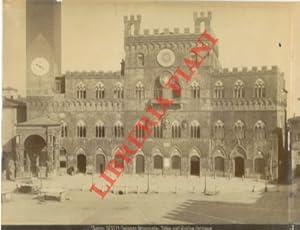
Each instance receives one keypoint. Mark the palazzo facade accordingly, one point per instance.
(222, 123)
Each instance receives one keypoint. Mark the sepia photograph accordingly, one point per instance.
(150, 113)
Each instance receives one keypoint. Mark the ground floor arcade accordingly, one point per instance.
(173, 164)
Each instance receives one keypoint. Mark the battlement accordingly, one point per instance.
(133, 26)
(246, 71)
(202, 16)
(166, 31)
(93, 74)
(132, 19)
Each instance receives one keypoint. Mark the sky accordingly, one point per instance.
(92, 35)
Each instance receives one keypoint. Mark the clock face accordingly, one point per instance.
(164, 78)
(40, 66)
(166, 57)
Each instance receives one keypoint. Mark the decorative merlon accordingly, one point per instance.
(245, 70)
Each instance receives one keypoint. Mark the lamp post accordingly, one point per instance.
(204, 191)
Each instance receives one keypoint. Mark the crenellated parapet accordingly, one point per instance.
(202, 21)
(93, 74)
(132, 25)
(148, 43)
(245, 71)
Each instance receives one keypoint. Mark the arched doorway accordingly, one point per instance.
(195, 166)
(140, 164)
(35, 154)
(63, 158)
(259, 166)
(219, 165)
(81, 163)
(158, 162)
(176, 162)
(100, 163)
(239, 166)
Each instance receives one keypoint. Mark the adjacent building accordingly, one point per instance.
(13, 111)
(294, 124)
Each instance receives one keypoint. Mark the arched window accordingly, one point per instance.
(260, 130)
(158, 88)
(176, 130)
(219, 90)
(139, 90)
(238, 89)
(158, 162)
(118, 91)
(176, 162)
(81, 92)
(158, 131)
(219, 130)
(195, 129)
(63, 129)
(118, 129)
(174, 94)
(259, 88)
(81, 129)
(100, 129)
(140, 59)
(239, 130)
(195, 87)
(100, 91)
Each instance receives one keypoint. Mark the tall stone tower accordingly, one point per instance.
(43, 46)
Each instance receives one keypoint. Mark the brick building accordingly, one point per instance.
(14, 111)
(222, 122)
(294, 124)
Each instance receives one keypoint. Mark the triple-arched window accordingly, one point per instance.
(80, 91)
(100, 129)
(158, 131)
(100, 91)
(239, 89)
(260, 130)
(219, 130)
(139, 132)
(239, 130)
(195, 129)
(259, 88)
(81, 129)
(118, 129)
(176, 130)
(119, 91)
(139, 90)
(195, 87)
(219, 90)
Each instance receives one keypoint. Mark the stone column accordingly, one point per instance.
(57, 153)
(20, 161)
(49, 163)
